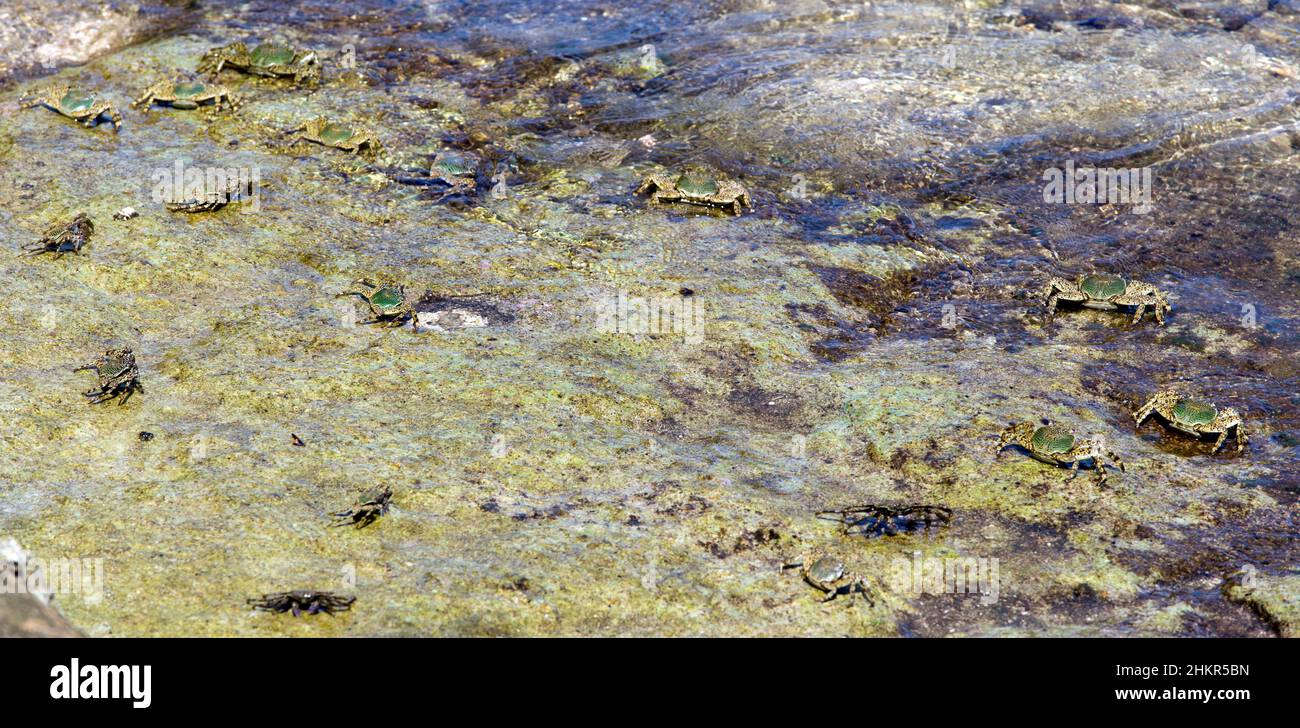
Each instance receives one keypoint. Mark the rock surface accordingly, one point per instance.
(568, 469)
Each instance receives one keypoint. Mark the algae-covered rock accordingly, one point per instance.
(611, 417)
(1275, 599)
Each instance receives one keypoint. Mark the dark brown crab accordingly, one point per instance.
(304, 600)
(366, 511)
(64, 238)
(117, 374)
(876, 520)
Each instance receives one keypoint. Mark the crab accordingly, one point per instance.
(875, 520)
(389, 303)
(236, 188)
(268, 59)
(1195, 417)
(301, 601)
(64, 238)
(348, 138)
(1107, 292)
(1057, 445)
(695, 187)
(829, 576)
(82, 106)
(185, 95)
(117, 374)
(457, 170)
(365, 512)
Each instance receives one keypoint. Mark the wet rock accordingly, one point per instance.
(870, 327)
(1276, 599)
(33, 39)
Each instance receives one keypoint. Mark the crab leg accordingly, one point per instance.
(1146, 409)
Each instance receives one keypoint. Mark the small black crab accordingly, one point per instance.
(117, 374)
(875, 520)
(301, 601)
(367, 511)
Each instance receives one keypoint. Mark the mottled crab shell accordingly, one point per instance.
(1103, 286)
(826, 570)
(335, 133)
(453, 165)
(73, 101)
(1194, 412)
(111, 365)
(1050, 439)
(387, 298)
(182, 90)
(268, 54)
(696, 186)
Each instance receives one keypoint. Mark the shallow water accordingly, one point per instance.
(868, 329)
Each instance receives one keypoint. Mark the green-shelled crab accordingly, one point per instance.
(389, 303)
(186, 95)
(84, 107)
(455, 173)
(64, 237)
(1195, 417)
(1107, 292)
(1057, 445)
(339, 136)
(696, 187)
(831, 577)
(268, 59)
(367, 510)
(457, 170)
(117, 375)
